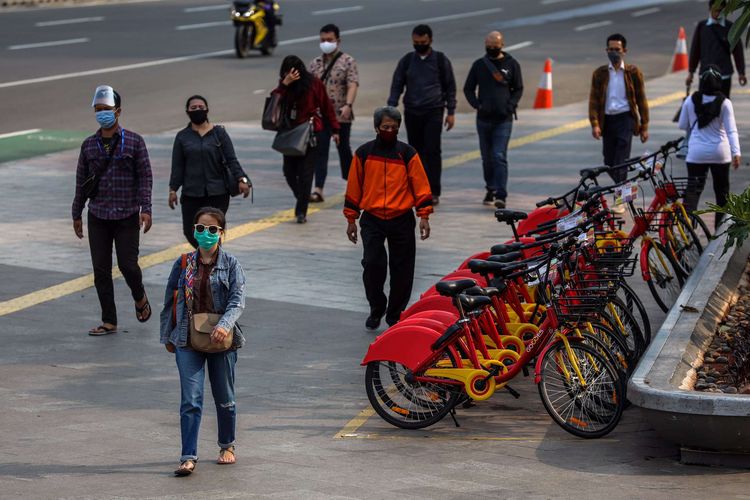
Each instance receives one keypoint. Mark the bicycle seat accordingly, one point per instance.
(505, 215)
(510, 269)
(472, 303)
(504, 248)
(453, 288)
(445, 336)
(485, 267)
(489, 291)
(508, 257)
(591, 173)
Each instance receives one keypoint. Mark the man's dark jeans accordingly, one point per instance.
(345, 154)
(493, 144)
(423, 129)
(125, 234)
(617, 139)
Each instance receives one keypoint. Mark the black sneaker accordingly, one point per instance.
(301, 219)
(391, 321)
(499, 203)
(373, 322)
(489, 198)
(435, 200)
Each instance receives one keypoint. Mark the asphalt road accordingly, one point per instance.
(164, 51)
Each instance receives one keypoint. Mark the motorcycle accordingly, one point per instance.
(251, 30)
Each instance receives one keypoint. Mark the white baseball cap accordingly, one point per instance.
(104, 94)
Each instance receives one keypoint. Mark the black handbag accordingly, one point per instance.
(233, 186)
(90, 185)
(295, 141)
(273, 113)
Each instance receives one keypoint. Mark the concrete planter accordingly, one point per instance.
(710, 428)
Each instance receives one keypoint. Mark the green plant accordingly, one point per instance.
(738, 209)
(743, 20)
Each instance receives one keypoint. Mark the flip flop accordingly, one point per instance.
(102, 330)
(184, 471)
(139, 311)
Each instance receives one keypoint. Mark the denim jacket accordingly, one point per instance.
(227, 289)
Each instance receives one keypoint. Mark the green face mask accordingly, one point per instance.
(205, 239)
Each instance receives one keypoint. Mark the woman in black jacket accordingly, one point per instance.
(204, 165)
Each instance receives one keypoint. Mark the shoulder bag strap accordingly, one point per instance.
(327, 72)
(183, 264)
(496, 75)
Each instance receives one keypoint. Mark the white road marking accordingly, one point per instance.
(20, 132)
(591, 26)
(202, 25)
(259, 91)
(550, 2)
(646, 12)
(48, 44)
(218, 53)
(353, 8)
(77, 20)
(517, 46)
(206, 7)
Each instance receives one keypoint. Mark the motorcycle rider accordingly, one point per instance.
(270, 17)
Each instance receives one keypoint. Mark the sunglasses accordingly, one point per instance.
(199, 228)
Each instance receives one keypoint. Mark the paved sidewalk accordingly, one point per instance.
(97, 417)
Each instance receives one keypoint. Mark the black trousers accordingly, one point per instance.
(726, 87)
(399, 233)
(423, 129)
(324, 146)
(617, 139)
(299, 171)
(125, 234)
(190, 207)
(697, 173)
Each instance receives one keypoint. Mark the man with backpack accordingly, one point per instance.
(498, 77)
(430, 89)
(386, 184)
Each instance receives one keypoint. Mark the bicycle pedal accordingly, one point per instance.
(513, 392)
(525, 371)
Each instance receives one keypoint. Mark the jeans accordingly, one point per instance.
(299, 171)
(617, 140)
(402, 247)
(191, 366)
(493, 144)
(324, 146)
(125, 234)
(190, 207)
(423, 129)
(697, 173)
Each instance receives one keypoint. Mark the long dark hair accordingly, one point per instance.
(301, 86)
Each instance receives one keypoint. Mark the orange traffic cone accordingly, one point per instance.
(544, 92)
(680, 61)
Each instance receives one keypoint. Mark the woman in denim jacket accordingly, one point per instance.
(217, 283)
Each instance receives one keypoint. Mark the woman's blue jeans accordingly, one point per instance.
(191, 365)
(493, 144)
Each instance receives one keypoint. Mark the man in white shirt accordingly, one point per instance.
(618, 108)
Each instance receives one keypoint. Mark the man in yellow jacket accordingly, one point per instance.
(387, 182)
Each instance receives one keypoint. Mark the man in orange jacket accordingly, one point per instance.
(387, 181)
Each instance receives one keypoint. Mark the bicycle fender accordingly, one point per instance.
(479, 256)
(645, 273)
(431, 303)
(407, 345)
(432, 324)
(446, 318)
(540, 357)
(540, 216)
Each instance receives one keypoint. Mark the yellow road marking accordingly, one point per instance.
(350, 429)
(79, 284)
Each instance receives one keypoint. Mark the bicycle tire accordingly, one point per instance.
(405, 412)
(632, 334)
(701, 229)
(666, 281)
(688, 250)
(633, 301)
(589, 412)
(622, 358)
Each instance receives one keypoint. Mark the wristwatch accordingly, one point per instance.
(245, 180)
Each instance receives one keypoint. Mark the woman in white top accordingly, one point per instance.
(708, 117)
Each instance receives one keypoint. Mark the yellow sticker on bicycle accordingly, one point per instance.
(626, 193)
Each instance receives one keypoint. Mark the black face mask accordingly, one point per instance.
(198, 116)
(422, 48)
(493, 52)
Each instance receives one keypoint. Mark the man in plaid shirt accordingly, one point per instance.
(118, 206)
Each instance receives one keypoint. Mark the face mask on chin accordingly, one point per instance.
(328, 47)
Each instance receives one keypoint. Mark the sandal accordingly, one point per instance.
(185, 469)
(102, 330)
(316, 197)
(224, 459)
(139, 311)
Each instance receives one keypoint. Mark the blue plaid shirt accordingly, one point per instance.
(125, 188)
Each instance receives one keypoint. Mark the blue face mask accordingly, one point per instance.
(106, 118)
(206, 240)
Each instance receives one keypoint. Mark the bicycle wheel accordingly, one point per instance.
(403, 402)
(666, 279)
(622, 358)
(630, 329)
(635, 306)
(701, 229)
(589, 410)
(687, 245)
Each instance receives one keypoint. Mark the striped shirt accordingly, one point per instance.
(125, 187)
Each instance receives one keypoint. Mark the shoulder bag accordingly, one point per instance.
(295, 141)
(201, 326)
(272, 113)
(90, 186)
(233, 186)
